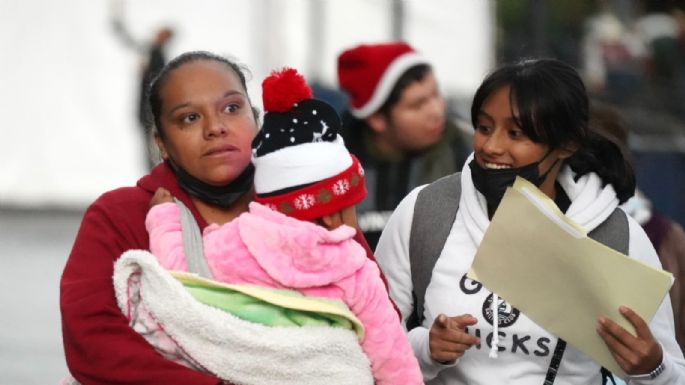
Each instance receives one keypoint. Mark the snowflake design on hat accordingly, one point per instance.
(341, 186)
(360, 169)
(304, 201)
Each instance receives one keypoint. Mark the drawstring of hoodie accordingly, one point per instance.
(495, 326)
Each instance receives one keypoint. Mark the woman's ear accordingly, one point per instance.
(160, 145)
(568, 150)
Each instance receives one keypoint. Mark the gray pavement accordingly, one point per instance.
(34, 245)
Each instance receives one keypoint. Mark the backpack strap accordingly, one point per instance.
(436, 203)
(554, 363)
(607, 376)
(613, 232)
(192, 243)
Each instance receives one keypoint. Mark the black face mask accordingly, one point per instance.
(493, 183)
(222, 196)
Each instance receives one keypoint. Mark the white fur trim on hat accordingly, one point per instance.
(298, 165)
(387, 82)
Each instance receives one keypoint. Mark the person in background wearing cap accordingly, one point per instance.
(396, 125)
(299, 232)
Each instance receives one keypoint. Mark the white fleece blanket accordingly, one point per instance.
(235, 350)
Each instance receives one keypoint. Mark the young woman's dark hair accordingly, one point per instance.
(413, 74)
(551, 106)
(154, 97)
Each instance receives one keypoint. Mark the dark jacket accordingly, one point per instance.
(668, 239)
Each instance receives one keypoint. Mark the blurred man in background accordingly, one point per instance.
(153, 58)
(396, 125)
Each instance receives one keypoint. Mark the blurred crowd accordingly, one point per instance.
(637, 61)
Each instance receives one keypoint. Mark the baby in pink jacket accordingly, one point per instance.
(299, 232)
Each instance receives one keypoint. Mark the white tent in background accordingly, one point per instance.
(69, 86)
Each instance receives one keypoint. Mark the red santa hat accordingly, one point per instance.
(369, 72)
(302, 167)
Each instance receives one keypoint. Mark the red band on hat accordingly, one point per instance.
(321, 198)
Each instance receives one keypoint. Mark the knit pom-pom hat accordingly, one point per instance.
(302, 167)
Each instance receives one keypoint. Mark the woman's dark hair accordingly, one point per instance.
(414, 74)
(553, 108)
(155, 98)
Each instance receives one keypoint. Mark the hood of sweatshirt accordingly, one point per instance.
(591, 201)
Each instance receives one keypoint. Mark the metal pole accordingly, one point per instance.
(317, 32)
(397, 21)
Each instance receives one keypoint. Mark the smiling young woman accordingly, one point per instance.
(530, 120)
(502, 149)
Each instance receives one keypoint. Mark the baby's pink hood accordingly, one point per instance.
(302, 254)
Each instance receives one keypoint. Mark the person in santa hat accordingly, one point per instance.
(397, 126)
(299, 232)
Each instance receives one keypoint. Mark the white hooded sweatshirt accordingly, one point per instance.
(524, 348)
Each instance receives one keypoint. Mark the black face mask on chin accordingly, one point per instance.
(222, 196)
(493, 183)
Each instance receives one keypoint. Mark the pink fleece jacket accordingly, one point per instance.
(264, 247)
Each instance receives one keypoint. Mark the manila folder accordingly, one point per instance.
(545, 265)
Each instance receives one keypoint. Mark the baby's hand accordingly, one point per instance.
(162, 195)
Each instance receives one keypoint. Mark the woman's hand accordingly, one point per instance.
(448, 339)
(635, 355)
(162, 195)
